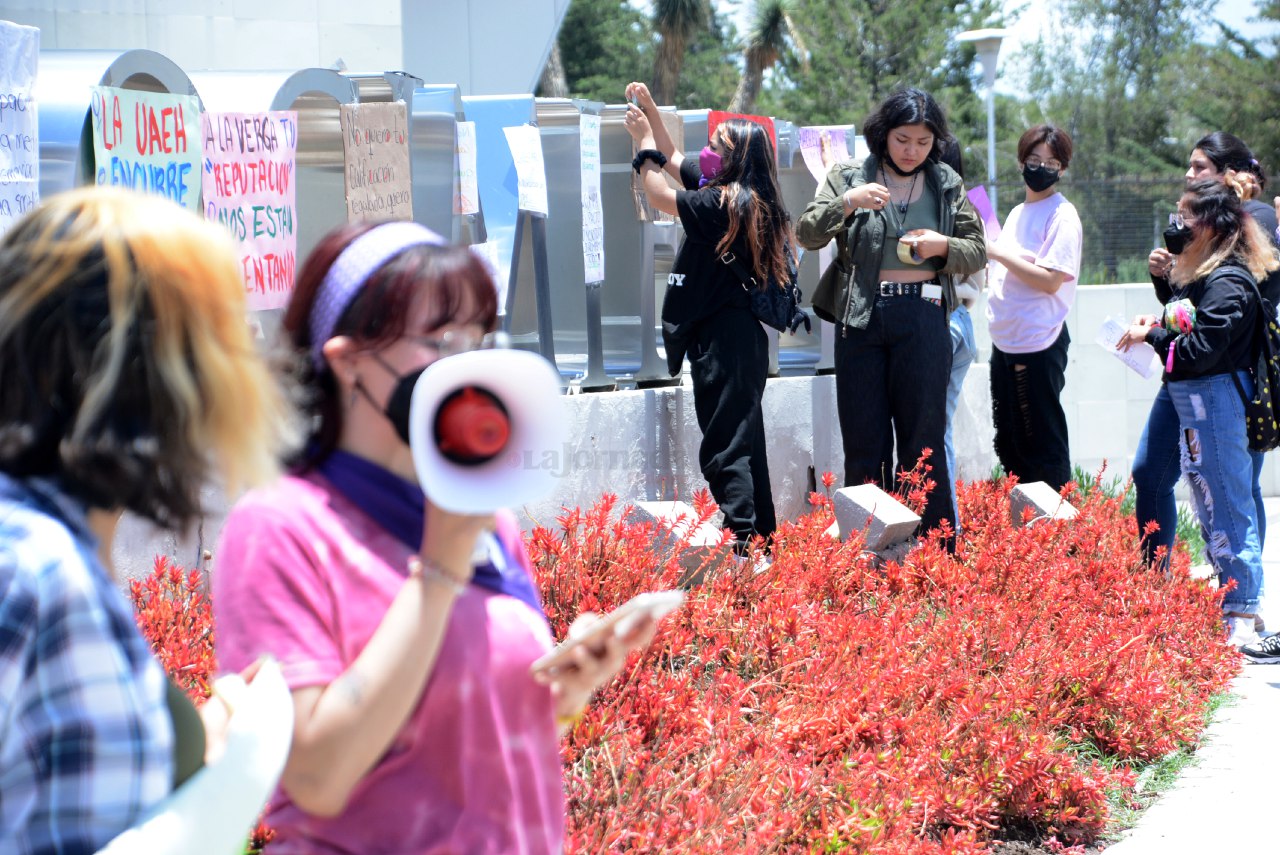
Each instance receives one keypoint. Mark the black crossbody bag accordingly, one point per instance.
(776, 304)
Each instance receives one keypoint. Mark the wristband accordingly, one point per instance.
(648, 154)
(431, 573)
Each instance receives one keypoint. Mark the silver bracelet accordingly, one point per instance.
(432, 573)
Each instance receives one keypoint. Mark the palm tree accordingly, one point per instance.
(675, 22)
(770, 29)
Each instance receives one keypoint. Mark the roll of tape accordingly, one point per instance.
(907, 253)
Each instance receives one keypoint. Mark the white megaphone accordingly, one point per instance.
(477, 423)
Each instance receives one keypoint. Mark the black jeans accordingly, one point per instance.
(891, 387)
(1031, 428)
(729, 362)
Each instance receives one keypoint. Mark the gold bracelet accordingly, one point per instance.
(431, 573)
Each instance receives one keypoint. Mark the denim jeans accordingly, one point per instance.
(1214, 450)
(1156, 468)
(963, 352)
(891, 391)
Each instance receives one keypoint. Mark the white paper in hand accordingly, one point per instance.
(1141, 358)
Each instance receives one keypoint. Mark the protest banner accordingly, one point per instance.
(19, 139)
(823, 145)
(531, 175)
(147, 141)
(592, 210)
(250, 166)
(375, 151)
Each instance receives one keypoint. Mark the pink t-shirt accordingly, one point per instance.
(303, 574)
(1047, 233)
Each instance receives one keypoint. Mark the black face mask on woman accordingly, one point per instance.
(1039, 178)
(1176, 238)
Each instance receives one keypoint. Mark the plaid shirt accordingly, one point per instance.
(86, 742)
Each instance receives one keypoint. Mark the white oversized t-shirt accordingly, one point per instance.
(1047, 233)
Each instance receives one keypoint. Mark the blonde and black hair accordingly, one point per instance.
(128, 372)
(1225, 233)
(750, 195)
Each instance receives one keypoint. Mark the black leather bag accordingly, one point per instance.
(776, 303)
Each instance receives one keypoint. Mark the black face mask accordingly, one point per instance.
(397, 409)
(1176, 238)
(904, 173)
(1039, 178)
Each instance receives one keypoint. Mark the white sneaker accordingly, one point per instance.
(1240, 631)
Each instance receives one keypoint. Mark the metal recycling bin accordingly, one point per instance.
(62, 93)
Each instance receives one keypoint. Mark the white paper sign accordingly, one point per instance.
(19, 142)
(1141, 358)
(526, 151)
(468, 199)
(592, 210)
(487, 252)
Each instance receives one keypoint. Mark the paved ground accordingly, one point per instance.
(1222, 804)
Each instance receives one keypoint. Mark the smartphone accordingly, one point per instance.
(634, 101)
(619, 622)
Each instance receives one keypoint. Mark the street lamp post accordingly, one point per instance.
(987, 43)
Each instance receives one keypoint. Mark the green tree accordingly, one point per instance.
(1237, 89)
(860, 50)
(676, 23)
(772, 31)
(604, 45)
(710, 72)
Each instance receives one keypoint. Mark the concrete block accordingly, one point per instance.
(1043, 500)
(867, 507)
(674, 524)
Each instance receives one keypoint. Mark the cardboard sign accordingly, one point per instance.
(526, 151)
(19, 138)
(147, 141)
(715, 118)
(824, 145)
(467, 201)
(592, 210)
(375, 152)
(248, 178)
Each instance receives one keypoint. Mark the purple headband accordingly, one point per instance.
(353, 266)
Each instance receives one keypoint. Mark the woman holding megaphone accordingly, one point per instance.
(406, 632)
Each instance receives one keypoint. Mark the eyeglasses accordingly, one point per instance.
(1035, 162)
(1178, 220)
(453, 342)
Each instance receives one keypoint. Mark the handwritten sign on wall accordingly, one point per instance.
(531, 174)
(19, 146)
(468, 186)
(250, 163)
(147, 141)
(375, 149)
(823, 145)
(592, 210)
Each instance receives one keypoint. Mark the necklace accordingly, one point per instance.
(901, 207)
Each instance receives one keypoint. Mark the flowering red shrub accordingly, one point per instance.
(926, 706)
(172, 608)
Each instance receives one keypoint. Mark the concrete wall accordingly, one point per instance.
(643, 444)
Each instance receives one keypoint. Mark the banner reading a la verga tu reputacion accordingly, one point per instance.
(248, 181)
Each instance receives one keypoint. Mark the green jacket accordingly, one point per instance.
(849, 286)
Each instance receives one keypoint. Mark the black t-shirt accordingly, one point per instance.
(699, 284)
(1222, 338)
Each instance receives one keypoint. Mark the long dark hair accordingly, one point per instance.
(1227, 151)
(1226, 233)
(748, 178)
(908, 106)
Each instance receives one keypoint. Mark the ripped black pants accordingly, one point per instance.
(1031, 428)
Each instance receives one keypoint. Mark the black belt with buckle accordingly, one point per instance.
(904, 289)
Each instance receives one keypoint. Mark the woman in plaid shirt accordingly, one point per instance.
(127, 379)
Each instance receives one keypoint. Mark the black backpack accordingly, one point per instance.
(1260, 416)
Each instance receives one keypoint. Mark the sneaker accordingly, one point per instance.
(1264, 652)
(1240, 630)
